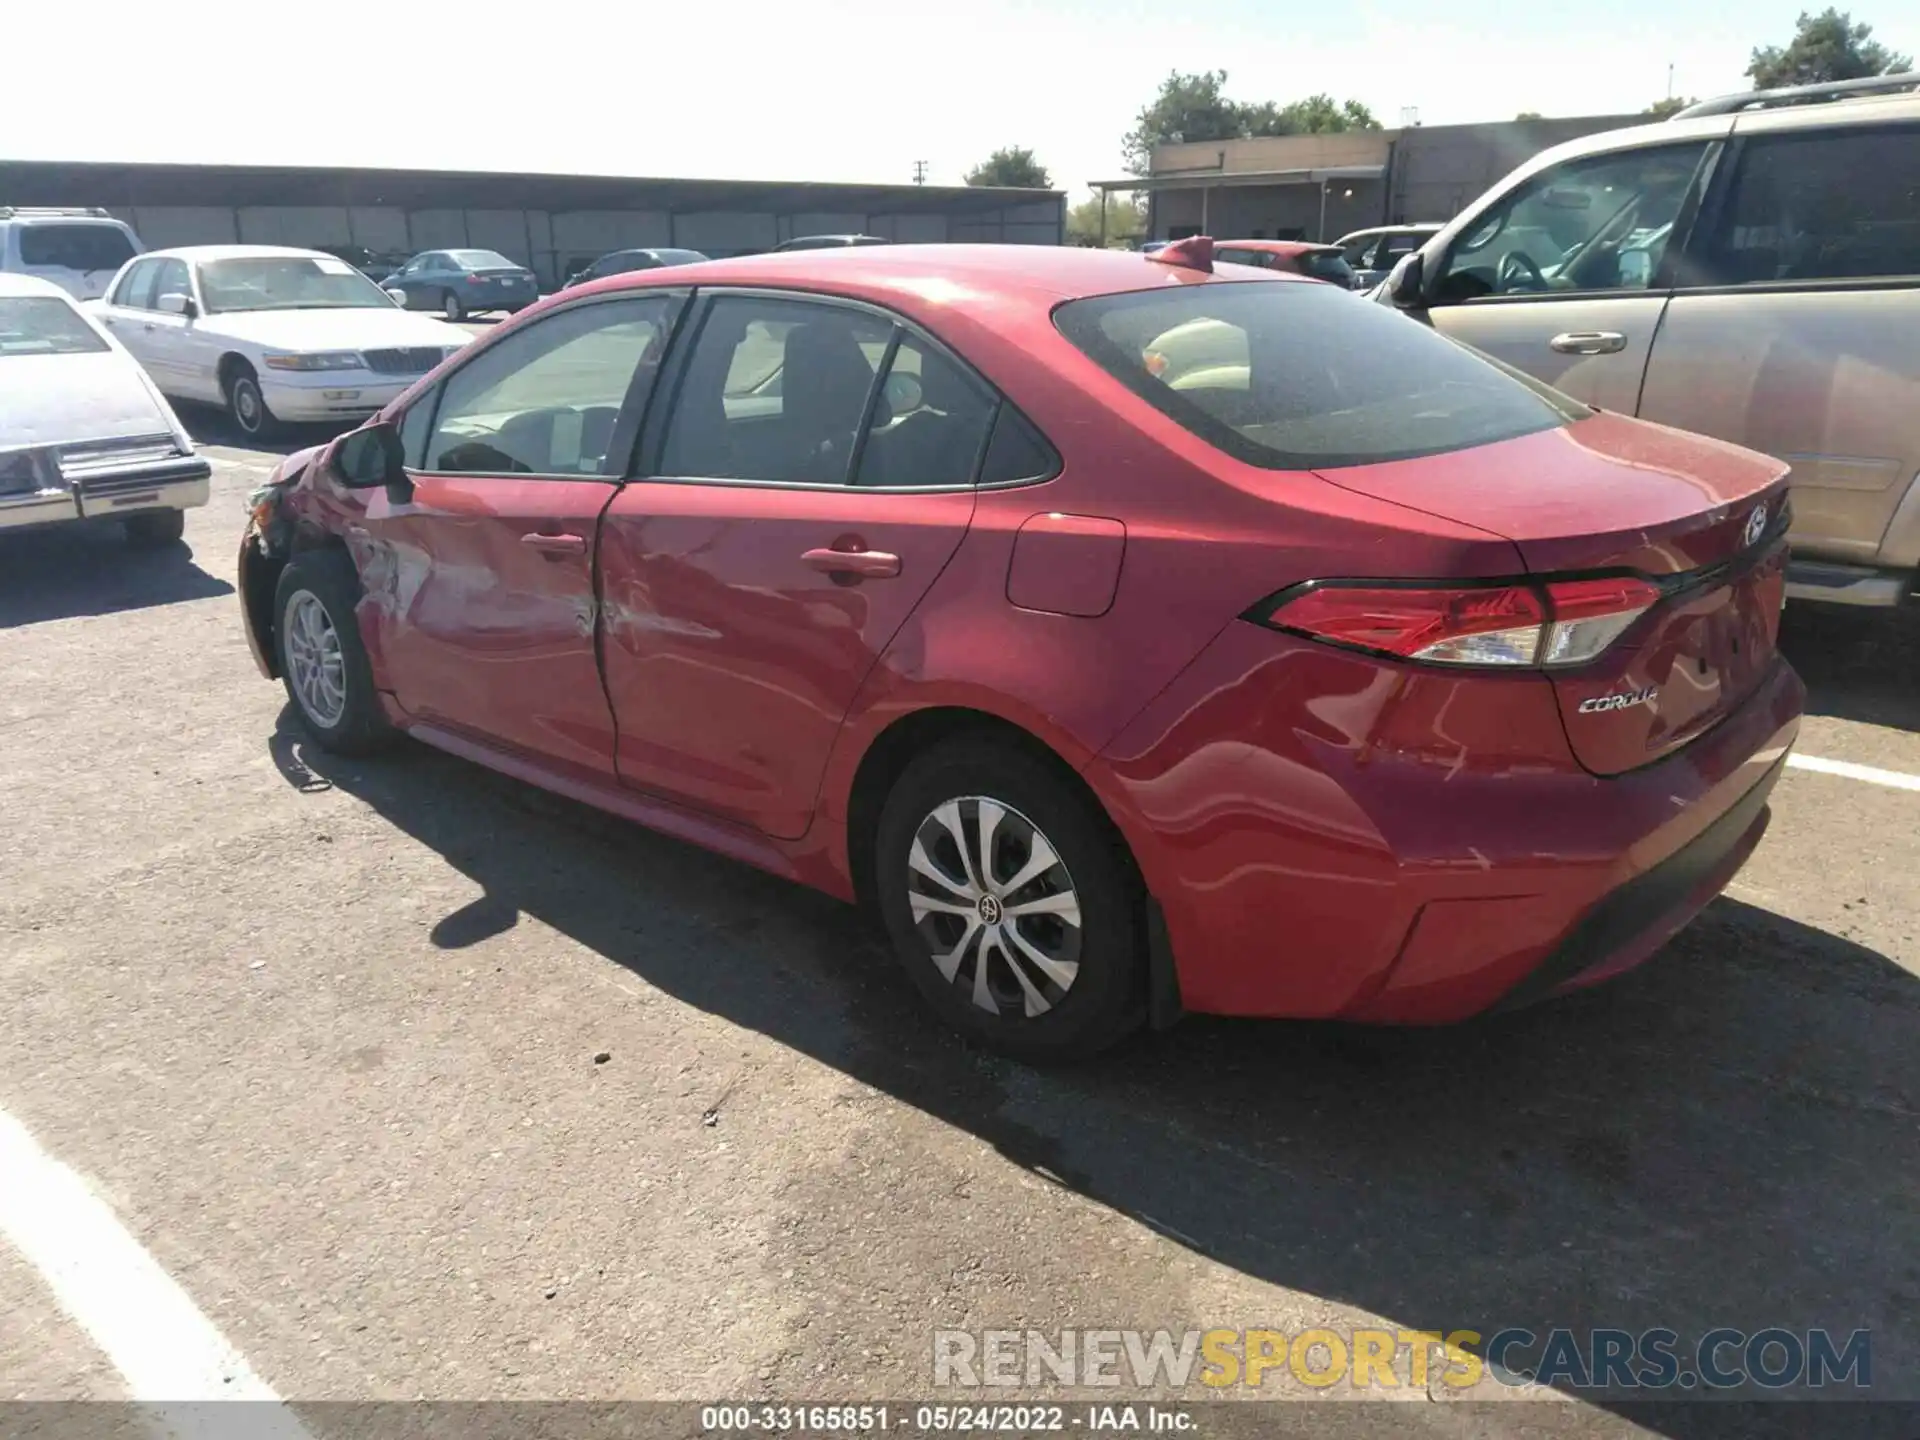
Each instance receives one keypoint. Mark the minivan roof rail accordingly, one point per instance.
(1801, 95)
(8, 212)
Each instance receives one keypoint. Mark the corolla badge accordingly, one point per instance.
(1756, 525)
(1601, 703)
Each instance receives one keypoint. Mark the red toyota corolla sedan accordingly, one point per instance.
(1131, 637)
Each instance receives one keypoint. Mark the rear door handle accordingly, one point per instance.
(868, 564)
(1588, 342)
(556, 544)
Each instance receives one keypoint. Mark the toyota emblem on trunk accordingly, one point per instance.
(1756, 524)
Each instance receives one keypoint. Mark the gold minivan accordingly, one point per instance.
(1749, 269)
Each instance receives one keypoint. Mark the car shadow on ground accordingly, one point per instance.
(91, 569)
(1859, 664)
(210, 425)
(1725, 1137)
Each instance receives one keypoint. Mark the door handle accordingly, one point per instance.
(866, 564)
(1588, 342)
(555, 544)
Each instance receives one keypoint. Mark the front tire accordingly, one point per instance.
(451, 307)
(247, 407)
(1011, 902)
(323, 664)
(156, 528)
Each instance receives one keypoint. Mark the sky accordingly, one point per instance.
(845, 90)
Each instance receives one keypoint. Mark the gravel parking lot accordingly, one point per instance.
(421, 1083)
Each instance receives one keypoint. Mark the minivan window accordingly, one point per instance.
(75, 247)
(1296, 377)
(1820, 206)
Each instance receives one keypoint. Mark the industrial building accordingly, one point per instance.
(551, 223)
(1319, 187)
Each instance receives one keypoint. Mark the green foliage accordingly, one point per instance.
(1195, 107)
(1011, 165)
(1661, 109)
(1126, 221)
(1825, 47)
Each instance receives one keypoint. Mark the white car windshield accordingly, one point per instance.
(42, 325)
(287, 282)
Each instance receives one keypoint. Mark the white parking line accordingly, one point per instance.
(1846, 769)
(145, 1324)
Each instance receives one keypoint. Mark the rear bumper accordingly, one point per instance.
(180, 484)
(1329, 838)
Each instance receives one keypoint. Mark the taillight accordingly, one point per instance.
(476, 279)
(1556, 623)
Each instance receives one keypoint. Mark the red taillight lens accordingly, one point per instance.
(476, 279)
(1561, 623)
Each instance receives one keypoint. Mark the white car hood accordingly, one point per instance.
(296, 331)
(62, 399)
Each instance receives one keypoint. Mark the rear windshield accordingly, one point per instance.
(76, 247)
(42, 325)
(483, 260)
(1296, 377)
(1327, 265)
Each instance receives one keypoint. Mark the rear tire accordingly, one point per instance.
(247, 407)
(323, 664)
(451, 307)
(156, 528)
(1064, 950)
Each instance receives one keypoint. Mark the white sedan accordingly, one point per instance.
(272, 334)
(84, 434)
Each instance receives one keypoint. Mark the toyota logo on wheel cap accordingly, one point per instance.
(1756, 524)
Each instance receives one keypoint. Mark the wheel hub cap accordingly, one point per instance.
(995, 906)
(315, 663)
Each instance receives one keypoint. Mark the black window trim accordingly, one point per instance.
(625, 427)
(1705, 173)
(645, 466)
(1719, 196)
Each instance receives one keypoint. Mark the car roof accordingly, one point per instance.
(1274, 247)
(1417, 227)
(918, 277)
(13, 283)
(199, 254)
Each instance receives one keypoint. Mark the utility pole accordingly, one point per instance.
(919, 172)
(1669, 80)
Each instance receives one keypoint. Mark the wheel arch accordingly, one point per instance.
(231, 363)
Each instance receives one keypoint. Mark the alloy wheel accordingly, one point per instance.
(315, 663)
(995, 906)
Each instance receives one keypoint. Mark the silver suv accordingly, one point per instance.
(1749, 269)
(78, 250)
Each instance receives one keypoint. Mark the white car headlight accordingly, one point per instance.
(320, 360)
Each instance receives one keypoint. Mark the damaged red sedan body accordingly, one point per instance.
(1133, 638)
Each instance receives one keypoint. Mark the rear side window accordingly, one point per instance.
(1329, 265)
(75, 247)
(1820, 206)
(1297, 377)
(930, 423)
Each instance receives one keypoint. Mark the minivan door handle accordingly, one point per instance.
(1588, 342)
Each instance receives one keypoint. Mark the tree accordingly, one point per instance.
(1825, 47)
(1529, 115)
(1315, 115)
(1012, 165)
(1672, 105)
(1188, 107)
(1126, 220)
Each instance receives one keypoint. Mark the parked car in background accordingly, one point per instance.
(1364, 726)
(1302, 257)
(84, 432)
(1373, 253)
(459, 283)
(620, 262)
(78, 250)
(271, 333)
(374, 264)
(828, 242)
(1749, 269)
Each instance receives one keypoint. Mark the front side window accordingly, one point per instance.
(44, 325)
(775, 390)
(75, 247)
(287, 282)
(170, 278)
(1298, 377)
(1601, 223)
(1819, 206)
(545, 400)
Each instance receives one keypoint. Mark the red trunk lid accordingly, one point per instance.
(1703, 519)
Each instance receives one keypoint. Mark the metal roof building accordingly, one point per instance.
(552, 223)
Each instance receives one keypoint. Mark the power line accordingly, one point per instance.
(919, 172)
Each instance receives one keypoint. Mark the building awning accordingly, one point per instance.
(1222, 179)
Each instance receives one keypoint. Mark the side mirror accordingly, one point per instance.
(174, 303)
(371, 457)
(1406, 286)
(397, 295)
